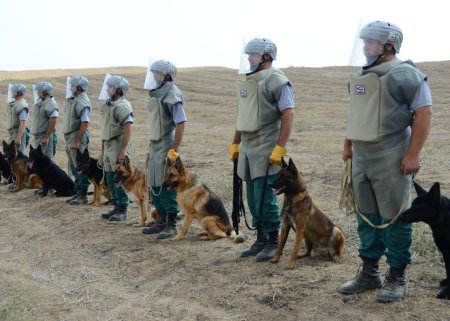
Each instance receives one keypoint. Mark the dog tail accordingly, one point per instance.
(337, 243)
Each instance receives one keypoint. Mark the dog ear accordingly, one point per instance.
(31, 147)
(86, 154)
(126, 161)
(39, 148)
(419, 189)
(179, 165)
(13, 143)
(434, 194)
(5, 146)
(292, 166)
(283, 163)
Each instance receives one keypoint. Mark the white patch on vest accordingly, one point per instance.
(243, 93)
(360, 90)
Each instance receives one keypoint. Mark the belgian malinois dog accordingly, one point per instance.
(198, 201)
(308, 221)
(134, 181)
(89, 167)
(19, 167)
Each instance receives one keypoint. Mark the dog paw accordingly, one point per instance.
(444, 294)
(137, 225)
(443, 282)
(175, 238)
(275, 259)
(291, 265)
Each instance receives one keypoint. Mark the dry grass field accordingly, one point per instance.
(60, 262)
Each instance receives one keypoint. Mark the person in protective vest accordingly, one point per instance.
(17, 115)
(45, 114)
(264, 123)
(167, 122)
(388, 123)
(75, 129)
(116, 123)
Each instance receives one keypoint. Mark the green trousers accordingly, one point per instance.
(119, 197)
(393, 241)
(267, 219)
(81, 181)
(165, 201)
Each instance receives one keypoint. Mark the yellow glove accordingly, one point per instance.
(233, 151)
(173, 155)
(277, 153)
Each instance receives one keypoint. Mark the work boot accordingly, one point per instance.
(268, 252)
(74, 197)
(255, 248)
(157, 227)
(106, 216)
(120, 215)
(394, 287)
(170, 229)
(367, 278)
(80, 199)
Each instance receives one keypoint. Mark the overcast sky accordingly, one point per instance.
(42, 34)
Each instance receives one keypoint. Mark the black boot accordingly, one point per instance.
(120, 215)
(170, 230)
(394, 287)
(106, 216)
(268, 252)
(255, 248)
(157, 227)
(366, 279)
(74, 197)
(81, 198)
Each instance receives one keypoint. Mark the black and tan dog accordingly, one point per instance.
(19, 167)
(134, 181)
(89, 167)
(199, 202)
(5, 170)
(300, 213)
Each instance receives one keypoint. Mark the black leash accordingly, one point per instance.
(238, 201)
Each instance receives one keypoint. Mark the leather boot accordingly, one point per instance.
(268, 252)
(255, 248)
(394, 287)
(120, 215)
(368, 278)
(170, 230)
(157, 227)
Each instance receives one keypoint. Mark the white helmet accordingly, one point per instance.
(18, 88)
(44, 87)
(164, 67)
(253, 52)
(79, 81)
(384, 32)
(118, 82)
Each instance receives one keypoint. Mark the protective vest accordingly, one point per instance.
(74, 107)
(160, 110)
(13, 111)
(114, 114)
(376, 97)
(256, 98)
(41, 116)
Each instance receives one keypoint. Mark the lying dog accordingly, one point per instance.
(197, 201)
(433, 209)
(51, 175)
(134, 181)
(89, 167)
(18, 163)
(5, 170)
(308, 221)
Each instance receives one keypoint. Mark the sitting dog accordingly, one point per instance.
(199, 202)
(308, 221)
(89, 167)
(134, 181)
(433, 209)
(18, 163)
(5, 170)
(51, 175)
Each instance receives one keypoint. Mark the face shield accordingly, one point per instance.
(156, 73)
(70, 90)
(36, 98)
(252, 54)
(11, 96)
(104, 91)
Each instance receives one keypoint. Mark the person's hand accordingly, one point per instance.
(44, 141)
(75, 145)
(348, 152)
(121, 155)
(233, 151)
(17, 142)
(410, 164)
(277, 154)
(173, 155)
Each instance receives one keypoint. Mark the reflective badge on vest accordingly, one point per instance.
(360, 90)
(243, 93)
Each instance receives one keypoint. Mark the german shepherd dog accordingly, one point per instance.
(199, 202)
(89, 167)
(18, 164)
(134, 181)
(51, 174)
(308, 221)
(5, 170)
(434, 209)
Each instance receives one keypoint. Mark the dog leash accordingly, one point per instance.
(349, 203)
